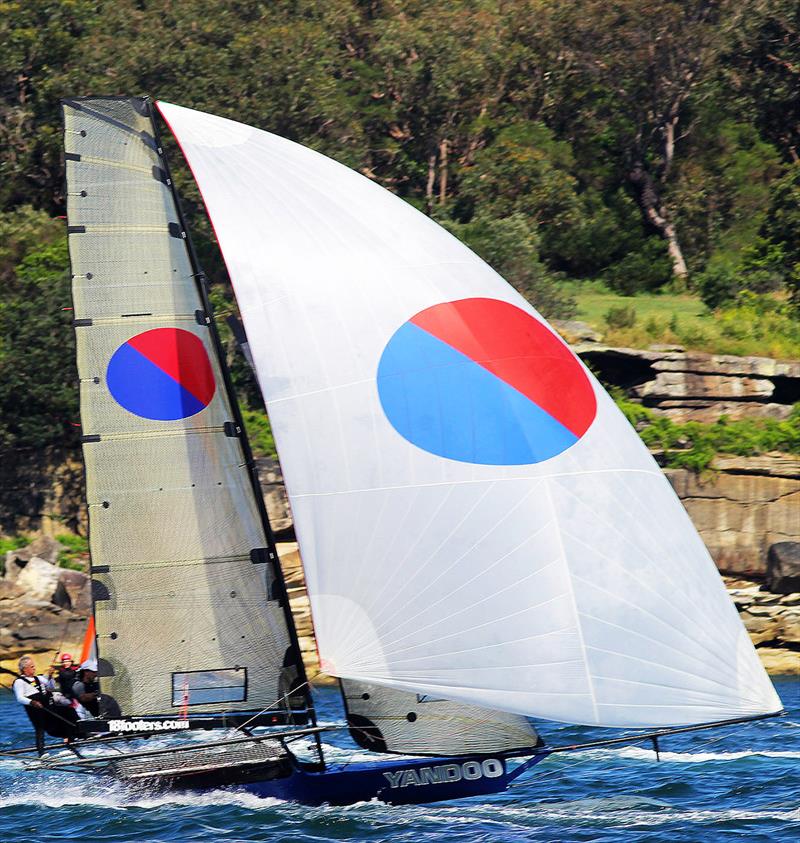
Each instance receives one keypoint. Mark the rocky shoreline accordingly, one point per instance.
(744, 509)
(31, 624)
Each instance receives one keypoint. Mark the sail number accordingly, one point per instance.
(491, 768)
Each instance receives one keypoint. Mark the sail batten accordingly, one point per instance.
(449, 484)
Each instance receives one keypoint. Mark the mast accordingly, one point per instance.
(202, 288)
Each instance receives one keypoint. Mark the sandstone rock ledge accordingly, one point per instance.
(773, 621)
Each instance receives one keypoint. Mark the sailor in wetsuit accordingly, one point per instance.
(48, 710)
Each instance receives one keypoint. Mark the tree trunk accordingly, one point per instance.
(654, 214)
(443, 171)
(430, 182)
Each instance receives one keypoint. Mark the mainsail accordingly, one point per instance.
(477, 519)
(189, 610)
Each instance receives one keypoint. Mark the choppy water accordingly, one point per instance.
(731, 784)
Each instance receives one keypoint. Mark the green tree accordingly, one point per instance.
(39, 40)
(510, 245)
(777, 251)
(38, 381)
(635, 69)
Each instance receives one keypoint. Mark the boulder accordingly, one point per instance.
(576, 332)
(790, 630)
(43, 547)
(74, 591)
(761, 628)
(39, 579)
(10, 590)
(13, 566)
(783, 567)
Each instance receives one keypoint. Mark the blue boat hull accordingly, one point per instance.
(396, 782)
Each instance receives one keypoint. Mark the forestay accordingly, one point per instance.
(182, 583)
(477, 519)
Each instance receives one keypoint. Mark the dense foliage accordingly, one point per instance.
(648, 145)
(694, 445)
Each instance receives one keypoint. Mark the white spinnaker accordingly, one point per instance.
(574, 589)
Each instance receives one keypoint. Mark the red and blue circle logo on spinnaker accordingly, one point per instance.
(162, 374)
(482, 381)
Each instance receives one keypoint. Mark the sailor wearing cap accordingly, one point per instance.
(85, 689)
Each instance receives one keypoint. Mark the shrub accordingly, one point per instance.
(718, 286)
(623, 316)
(694, 445)
(652, 327)
(647, 269)
(259, 432)
(76, 553)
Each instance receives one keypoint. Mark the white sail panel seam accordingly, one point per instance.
(421, 534)
(442, 573)
(657, 684)
(482, 668)
(413, 683)
(466, 482)
(573, 600)
(617, 597)
(679, 588)
(494, 594)
(400, 531)
(685, 705)
(566, 630)
(655, 641)
(461, 633)
(477, 576)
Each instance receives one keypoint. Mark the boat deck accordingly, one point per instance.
(189, 761)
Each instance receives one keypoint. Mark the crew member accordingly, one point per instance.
(86, 689)
(48, 710)
(65, 675)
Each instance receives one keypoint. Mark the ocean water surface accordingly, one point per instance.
(734, 783)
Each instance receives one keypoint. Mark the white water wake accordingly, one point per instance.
(53, 793)
(641, 753)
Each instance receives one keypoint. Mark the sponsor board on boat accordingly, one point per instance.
(491, 768)
(147, 725)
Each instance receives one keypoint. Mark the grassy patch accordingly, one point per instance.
(10, 543)
(694, 445)
(259, 433)
(76, 555)
(754, 326)
(13, 543)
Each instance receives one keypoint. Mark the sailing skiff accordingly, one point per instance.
(485, 539)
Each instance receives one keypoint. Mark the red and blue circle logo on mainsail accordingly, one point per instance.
(481, 381)
(162, 374)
